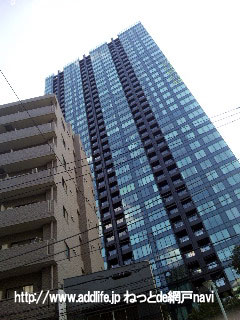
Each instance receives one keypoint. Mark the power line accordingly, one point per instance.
(53, 174)
(99, 304)
(89, 163)
(103, 278)
(191, 194)
(69, 175)
(71, 179)
(82, 175)
(55, 253)
(128, 224)
(231, 115)
(62, 165)
(217, 115)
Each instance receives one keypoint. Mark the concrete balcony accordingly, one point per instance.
(13, 161)
(26, 217)
(26, 258)
(29, 104)
(27, 183)
(22, 119)
(21, 311)
(26, 137)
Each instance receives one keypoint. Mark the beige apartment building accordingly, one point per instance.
(48, 222)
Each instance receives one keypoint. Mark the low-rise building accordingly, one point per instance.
(128, 283)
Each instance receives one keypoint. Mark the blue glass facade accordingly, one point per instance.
(168, 186)
(146, 217)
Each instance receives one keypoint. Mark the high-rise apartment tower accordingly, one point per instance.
(48, 224)
(168, 186)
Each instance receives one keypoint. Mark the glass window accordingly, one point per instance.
(64, 185)
(138, 237)
(184, 162)
(185, 128)
(225, 199)
(223, 156)
(200, 154)
(130, 187)
(218, 187)
(190, 136)
(67, 251)
(65, 213)
(153, 202)
(234, 179)
(225, 254)
(161, 227)
(230, 167)
(181, 121)
(165, 242)
(213, 222)
(236, 228)
(237, 193)
(142, 251)
(231, 274)
(145, 180)
(171, 135)
(200, 121)
(220, 236)
(206, 128)
(211, 175)
(217, 146)
(200, 195)
(194, 145)
(206, 164)
(175, 143)
(189, 172)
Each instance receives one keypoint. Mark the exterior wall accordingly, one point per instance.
(66, 196)
(44, 199)
(88, 220)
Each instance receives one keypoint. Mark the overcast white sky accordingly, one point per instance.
(200, 38)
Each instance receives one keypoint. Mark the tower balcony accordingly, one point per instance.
(26, 217)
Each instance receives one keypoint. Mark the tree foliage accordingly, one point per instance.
(204, 311)
(209, 311)
(236, 258)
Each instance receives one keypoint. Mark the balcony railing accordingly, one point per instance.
(192, 218)
(178, 224)
(190, 254)
(199, 232)
(184, 239)
(13, 138)
(196, 271)
(36, 253)
(212, 265)
(45, 177)
(27, 154)
(24, 217)
(24, 116)
(205, 248)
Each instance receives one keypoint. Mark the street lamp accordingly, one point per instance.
(210, 285)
